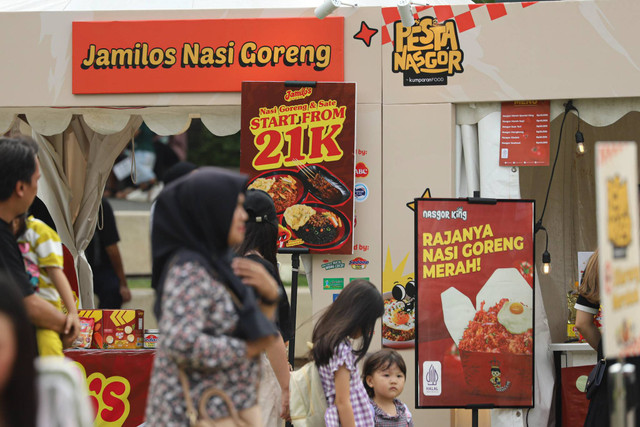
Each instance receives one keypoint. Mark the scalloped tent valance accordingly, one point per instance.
(78, 147)
(221, 120)
(224, 120)
(596, 112)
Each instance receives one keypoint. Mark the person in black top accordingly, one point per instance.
(587, 306)
(18, 401)
(261, 244)
(103, 255)
(19, 173)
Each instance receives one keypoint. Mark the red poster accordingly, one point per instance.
(118, 382)
(297, 144)
(474, 329)
(524, 133)
(203, 55)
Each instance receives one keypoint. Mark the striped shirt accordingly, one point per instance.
(402, 418)
(41, 247)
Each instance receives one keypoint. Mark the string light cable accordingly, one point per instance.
(546, 256)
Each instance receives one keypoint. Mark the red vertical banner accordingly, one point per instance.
(297, 144)
(574, 409)
(524, 133)
(474, 315)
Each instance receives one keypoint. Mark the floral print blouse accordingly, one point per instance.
(198, 319)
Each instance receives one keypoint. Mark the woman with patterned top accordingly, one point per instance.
(384, 374)
(211, 324)
(352, 315)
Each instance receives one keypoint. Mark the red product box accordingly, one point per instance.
(116, 329)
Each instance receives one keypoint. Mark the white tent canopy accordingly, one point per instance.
(67, 5)
(596, 112)
(78, 144)
(78, 147)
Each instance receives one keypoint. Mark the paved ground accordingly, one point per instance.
(126, 205)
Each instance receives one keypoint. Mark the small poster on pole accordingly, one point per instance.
(619, 249)
(524, 133)
(475, 303)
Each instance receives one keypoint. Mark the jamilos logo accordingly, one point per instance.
(427, 53)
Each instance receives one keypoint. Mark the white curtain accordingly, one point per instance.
(75, 165)
(477, 160)
(477, 157)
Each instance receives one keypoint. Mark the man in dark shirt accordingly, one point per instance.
(109, 280)
(19, 173)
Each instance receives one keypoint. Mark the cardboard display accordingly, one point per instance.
(619, 249)
(116, 329)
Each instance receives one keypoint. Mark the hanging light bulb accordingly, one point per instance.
(546, 262)
(579, 143)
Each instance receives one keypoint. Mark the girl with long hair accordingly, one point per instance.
(353, 315)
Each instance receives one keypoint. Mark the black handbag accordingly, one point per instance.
(595, 378)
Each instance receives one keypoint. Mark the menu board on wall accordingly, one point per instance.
(524, 133)
(475, 303)
(619, 251)
(297, 144)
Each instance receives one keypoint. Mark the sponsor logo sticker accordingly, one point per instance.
(332, 265)
(361, 192)
(333, 283)
(359, 263)
(362, 170)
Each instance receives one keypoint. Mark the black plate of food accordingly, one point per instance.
(324, 186)
(284, 186)
(319, 226)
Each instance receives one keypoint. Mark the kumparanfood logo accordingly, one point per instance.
(428, 52)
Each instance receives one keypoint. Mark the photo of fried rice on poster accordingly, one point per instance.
(297, 144)
(475, 303)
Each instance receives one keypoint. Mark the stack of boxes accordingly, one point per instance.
(116, 329)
